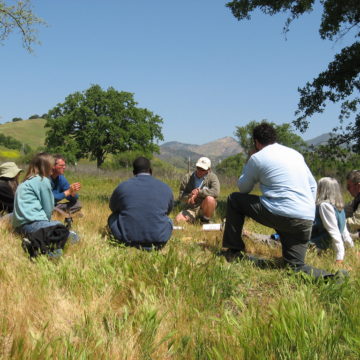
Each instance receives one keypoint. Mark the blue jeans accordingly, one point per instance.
(36, 225)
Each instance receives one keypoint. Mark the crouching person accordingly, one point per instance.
(199, 191)
(33, 205)
(140, 207)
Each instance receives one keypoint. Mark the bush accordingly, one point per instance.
(9, 142)
(16, 119)
(231, 166)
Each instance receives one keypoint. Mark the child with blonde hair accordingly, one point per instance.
(329, 228)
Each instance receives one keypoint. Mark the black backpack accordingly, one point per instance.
(45, 240)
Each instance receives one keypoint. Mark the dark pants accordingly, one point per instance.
(294, 233)
(71, 207)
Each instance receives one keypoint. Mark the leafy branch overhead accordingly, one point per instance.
(19, 17)
(340, 82)
(97, 122)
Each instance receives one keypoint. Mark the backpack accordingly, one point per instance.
(45, 240)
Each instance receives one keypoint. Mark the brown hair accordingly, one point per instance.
(354, 176)
(11, 182)
(41, 164)
(58, 157)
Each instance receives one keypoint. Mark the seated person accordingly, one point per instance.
(329, 228)
(34, 203)
(199, 191)
(140, 207)
(9, 181)
(61, 188)
(352, 209)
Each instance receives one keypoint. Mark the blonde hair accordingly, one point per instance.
(329, 191)
(41, 164)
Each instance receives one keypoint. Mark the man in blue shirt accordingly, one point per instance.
(65, 195)
(287, 204)
(140, 207)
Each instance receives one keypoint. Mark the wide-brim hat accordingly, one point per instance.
(9, 170)
(204, 163)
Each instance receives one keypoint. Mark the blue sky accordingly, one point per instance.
(191, 62)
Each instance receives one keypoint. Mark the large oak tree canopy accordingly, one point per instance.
(98, 122)
(340, 82)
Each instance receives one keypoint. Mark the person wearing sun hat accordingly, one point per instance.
(9, 181)
(199, 190)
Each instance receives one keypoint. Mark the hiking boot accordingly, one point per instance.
(73, 237)
(340, 276)
(26, 245)
(203, 220)
(231, 254)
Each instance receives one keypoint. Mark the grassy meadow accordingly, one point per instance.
(102, 301)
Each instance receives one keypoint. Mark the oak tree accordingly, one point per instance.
(284, 132)
(340, 82)
(97, 122)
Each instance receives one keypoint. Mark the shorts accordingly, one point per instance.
(193, 212)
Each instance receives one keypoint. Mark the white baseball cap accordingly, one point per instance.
(204, 163)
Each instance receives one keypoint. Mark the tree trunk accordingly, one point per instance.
(99, 161)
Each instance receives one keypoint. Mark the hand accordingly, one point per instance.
(195, 192)
(75, 187)
(191, 200)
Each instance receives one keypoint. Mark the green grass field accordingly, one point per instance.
(101, 301)
(31, 132)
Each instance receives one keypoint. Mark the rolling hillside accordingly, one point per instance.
(319, 140)
(31, 132)
(178, 153)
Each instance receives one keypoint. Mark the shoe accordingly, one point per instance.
(73, 237)
(341, 275)
(55, 254)
(27, 247)
(231, 254)
(204, 220)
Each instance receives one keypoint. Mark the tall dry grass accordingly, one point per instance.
(101, 301)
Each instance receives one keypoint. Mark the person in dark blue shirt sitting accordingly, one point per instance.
(140, 207)
(62, 189)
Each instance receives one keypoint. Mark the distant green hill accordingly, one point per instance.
(30, 132)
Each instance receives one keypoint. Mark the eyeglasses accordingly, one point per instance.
(58, 165)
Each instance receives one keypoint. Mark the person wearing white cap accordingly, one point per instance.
(199, 190)
(9, 181)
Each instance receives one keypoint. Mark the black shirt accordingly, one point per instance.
(6, 197)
